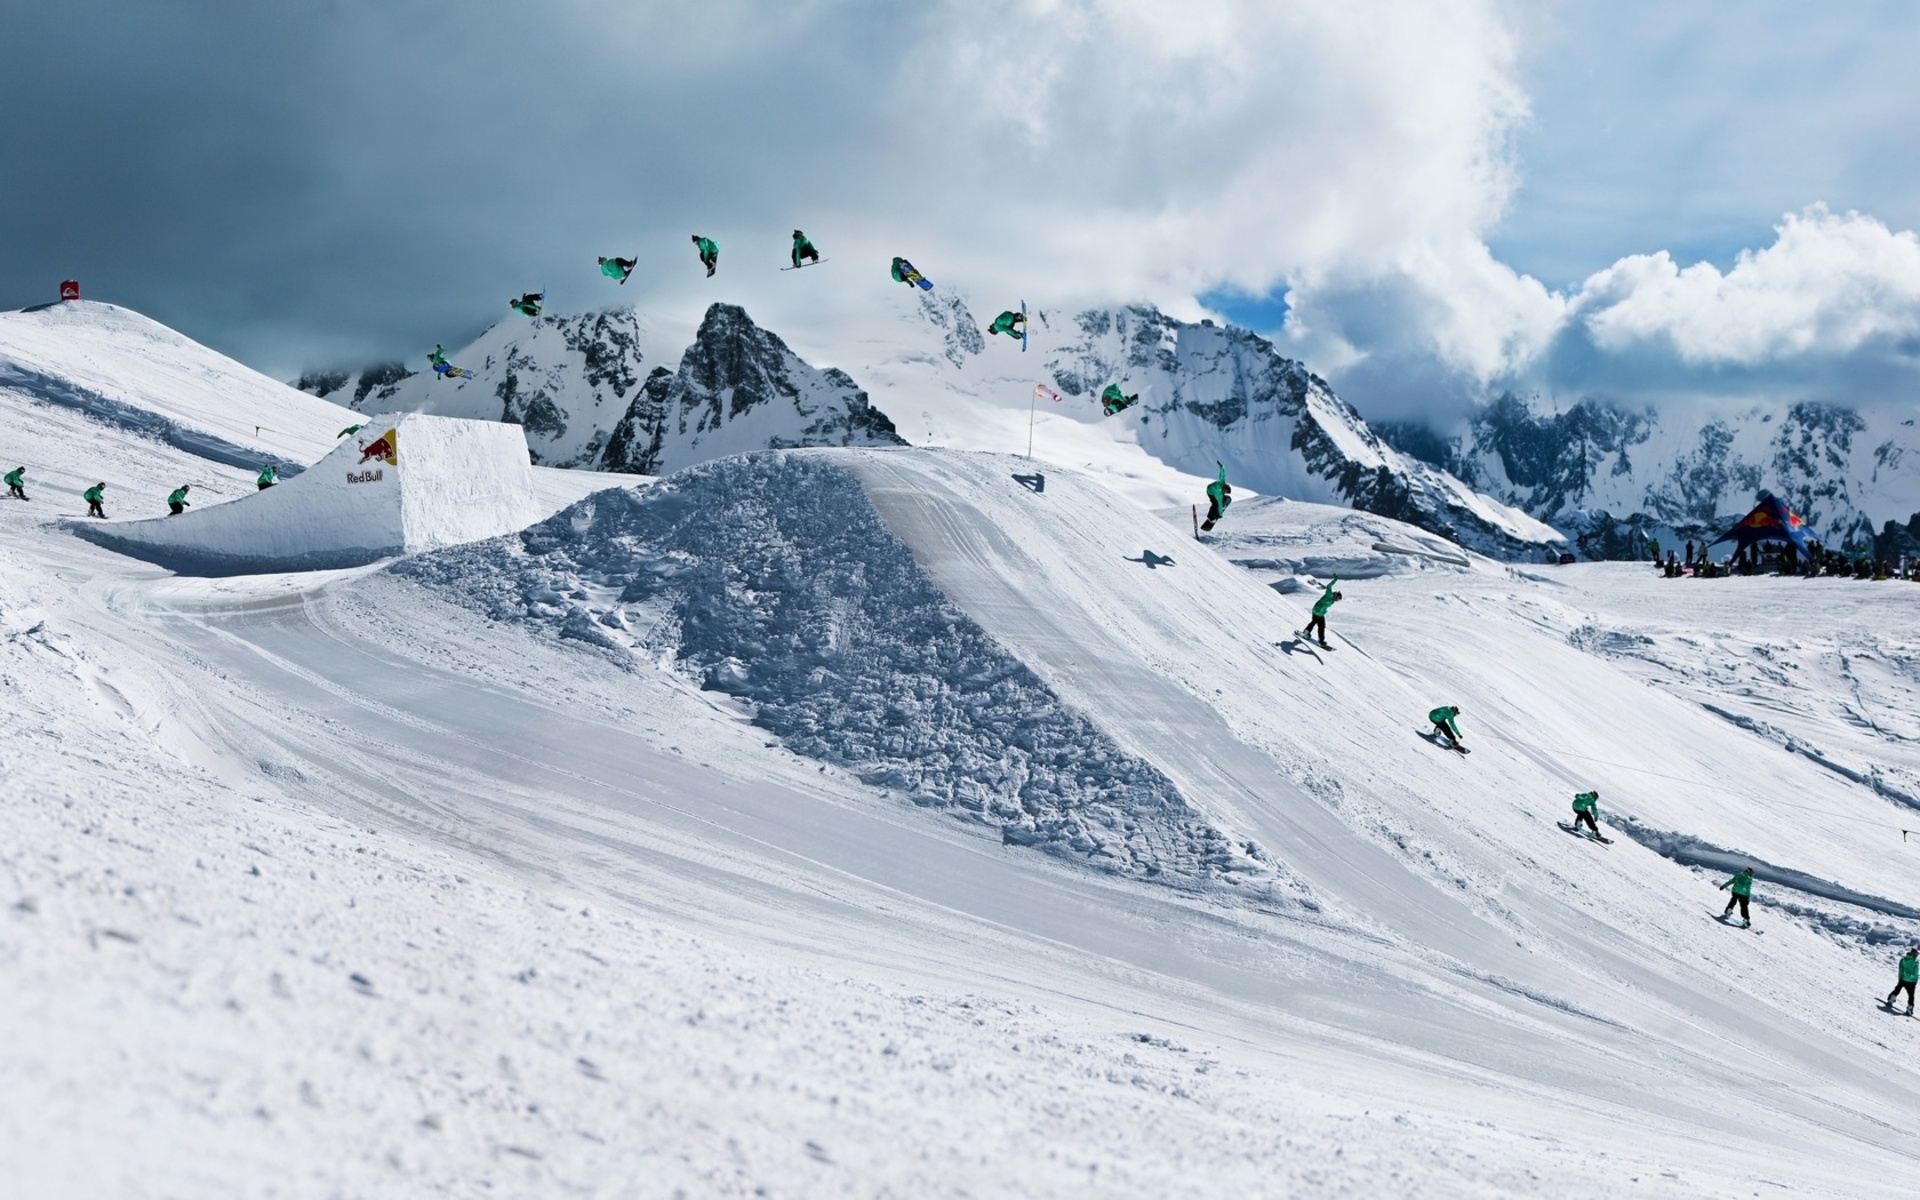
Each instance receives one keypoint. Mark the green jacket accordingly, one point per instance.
(1113, 394)
(1217, 490)
(709, 248)
(1587, 802)
(17, 478)
(267, 475)
(1742, 884)
(349, 429)
(438, 356)
(612, 269)
(800, 246)
(1909, 968)
(900, 268)
(1443, 714)
(1326, 600)
(1005, 322)
(177, 496)
(94, 494)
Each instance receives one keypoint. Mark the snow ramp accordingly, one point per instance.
(404, 483)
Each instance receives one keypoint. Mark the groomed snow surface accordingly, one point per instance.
(907, 823)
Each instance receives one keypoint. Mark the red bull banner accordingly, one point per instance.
(384, 448)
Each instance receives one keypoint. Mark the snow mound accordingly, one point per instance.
(404, 483)
(1287, 543)
(770, 577)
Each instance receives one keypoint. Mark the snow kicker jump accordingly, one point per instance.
(403, 483)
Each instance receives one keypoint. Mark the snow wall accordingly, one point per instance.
(403, 483)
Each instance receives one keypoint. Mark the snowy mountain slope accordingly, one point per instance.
(607, 391)
(328, 883)
(1695, 469)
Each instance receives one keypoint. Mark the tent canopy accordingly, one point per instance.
(1770, 520)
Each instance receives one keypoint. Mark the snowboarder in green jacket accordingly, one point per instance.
(905, 272)
(177, 500)
(528, 305)
(709, 253)
(1443, 723)
(17, 483)
(1112, 401)
(802, 248)
(1013, 324)
(1321, 606)
(1742, 886)
(349, 430)
(1909, 975)
(95, 496)
(269, 475)
(618, 268)
(1586, 808)
(1219, 494)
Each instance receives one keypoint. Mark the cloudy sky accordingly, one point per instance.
(1427, 201)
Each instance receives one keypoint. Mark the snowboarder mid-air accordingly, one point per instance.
(618, 268)
(17, 483)
(1321, 606)
(1742, 888)
(1909, 975)
(802, 248)
(177, 500)
(1443, 719)
(95, 496)
(1112, 400)
(349, 430)
(905, 272)
(528, 305)
(1219, 492)
(709, 253)
(1014, 324)
(269, 475)
(1586, 808)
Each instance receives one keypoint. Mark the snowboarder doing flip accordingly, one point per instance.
(441, 367)
(177, 500)
(1742, 888)
(1011, 323)
(1586, 807)
(1113, 401)
(1909, 975)
(1219, 492)
(94, 496)
(1443, 719)
(17, 483)
(1321, 606)
(618, 268)
(709, 253)
(528, 305)
(802, 248)
(904, 272)
(269, 475)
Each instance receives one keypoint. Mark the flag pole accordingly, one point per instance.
(1031, 402)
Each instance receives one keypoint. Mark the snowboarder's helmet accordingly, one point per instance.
(797, 233)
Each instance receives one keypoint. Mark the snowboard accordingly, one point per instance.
(1888, 1008)
(1435, 739)
(1306, 639)
(1023, 327)
(1576, 831)
(1730, 922)
(816, 262)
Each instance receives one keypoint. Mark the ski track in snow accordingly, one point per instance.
(503, 872)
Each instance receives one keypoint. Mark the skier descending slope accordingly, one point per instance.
(17, 483)
(802, 248)
(1742, 888)
(528, 305)
(1321, 607)
(95, 496)
(1011, 323)
(904, 272)
(709, 253)
(1586, 808)
(1909, 975)
(1443, 726)
(1112, 401)
(1219, 495)
(177, 500)
(269, 475)
(618, 268)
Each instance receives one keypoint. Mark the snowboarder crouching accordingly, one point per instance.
(1013, 324)
(1443, 724)
(17, 483)
(1909, 975)
(94, 496)
(177, 500)
(618, 268)
(1112, 401)
(1321, 606)
(1586, 807)
(1742, 886)
(1219, 493)
(802, 248)
(709, 253)
(904, 272)
(528, 305)
(269, 475)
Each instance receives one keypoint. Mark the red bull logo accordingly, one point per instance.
(383, 448)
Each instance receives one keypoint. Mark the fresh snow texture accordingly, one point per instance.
(771, 578)
(402, 484)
